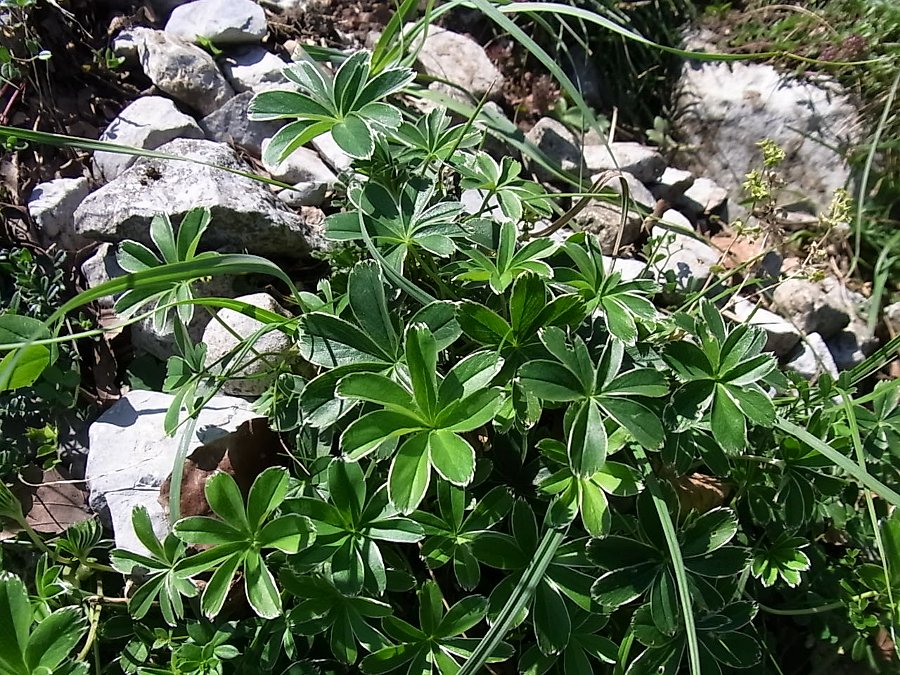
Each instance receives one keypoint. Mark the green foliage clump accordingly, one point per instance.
(498, 451)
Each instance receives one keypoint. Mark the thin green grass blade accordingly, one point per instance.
(875, 361)
(592, 17)
(287, 326)
(498, 16)
(8, 134)
(520, 597)
(681, 581)
(217, 265)
(854, 470)
(870, 506)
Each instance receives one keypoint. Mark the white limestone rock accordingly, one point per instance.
(684, 256)
(703, 197)
(811, 358)
(220, 21)
(130, 456)
(183, 71)
(605, 220)
(807, 306)
(331, 153)
(559, 145)
(250, 376)
(672, 184)
(229, 124)
(101, 267)
(725, 109)
(52, 206)
(781, 335)
(147, 123)
(245, 215)
(637, 191)
(301, 166)
(646, 164)
(254, 69)
(460, 60)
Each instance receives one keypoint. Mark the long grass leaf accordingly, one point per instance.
(8, 134)
(521, 596)
(859, 473)
(870, 505)
(681, 581)
(592, 17)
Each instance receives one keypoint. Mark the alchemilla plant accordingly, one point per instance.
(498, 448)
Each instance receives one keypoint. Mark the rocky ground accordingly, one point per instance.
(677, 229)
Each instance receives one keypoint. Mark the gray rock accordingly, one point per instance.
(252, 375)
(125, 45)
(704, 196)
(254, 69)
(130, 456)
(160, 342)
(807, 306)
(891, 315)
(245, 214)
(724, 109)
(147, 123)
(329, 151)
(52, 205)
(220, 21)
(646, 164)
(674, 221)
(637, 191)
(101, 267)
(605, 220)
(183, 71)
(301, 166)
(229, 124)
(685, 256)
(558, 143)
(672, 184)
(850, 347)
(304, 194)
(811, 358)
(781, 335)
(460, 60)
(629, 268)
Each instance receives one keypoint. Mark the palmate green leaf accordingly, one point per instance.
(329, 341)
(365, 434)
(472, 412)
(471, 374)
(53, 639)
(365, 290)
(15, 621)
(162, 582)
(410, 473)
(22, 367)
(421, 359)
(551, 382)
(586, 439)
(354, 136)
(347, 487)
(219, 584)
(376, 388)
(451, 456)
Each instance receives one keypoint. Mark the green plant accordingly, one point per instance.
(507, 410)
